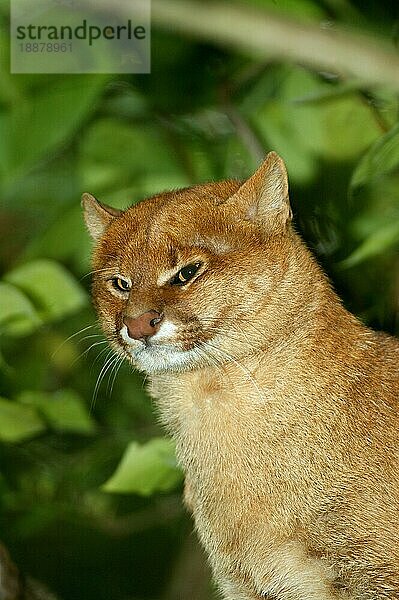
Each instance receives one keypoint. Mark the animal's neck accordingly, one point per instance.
(307, 347)
(310, 349)
(232, 423)
(302, 316)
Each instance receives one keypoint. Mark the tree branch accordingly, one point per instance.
(267, 35)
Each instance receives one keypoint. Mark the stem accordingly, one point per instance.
(268, 35)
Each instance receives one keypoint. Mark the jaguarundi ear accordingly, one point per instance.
(97, 216)
(263, 198)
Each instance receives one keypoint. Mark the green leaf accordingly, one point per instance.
(348, 128)
(146, 469)
(326, 94)
(127, 104)
(298, 9)
(63, 410)
(113, 153)
(382, 102)
(40, 123)
(381, 158)
(50, 286)
(376, 243)
(17, 314)
(277, 128)
(65, 239)
(17, 422)
(336, 129)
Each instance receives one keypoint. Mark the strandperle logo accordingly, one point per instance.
(85, 31)
(80, 36)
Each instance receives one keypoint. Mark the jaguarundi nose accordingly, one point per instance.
(143, 326)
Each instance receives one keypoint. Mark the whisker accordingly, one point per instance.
(240, 366)
(235, 323)
(101, 353)
(82, 354)
(201, 352)
(88, 337)
(110, 269)
(232, 334)
(112, 374)
(144, 381)
(215, 361)
(108, 362)
(70, 338)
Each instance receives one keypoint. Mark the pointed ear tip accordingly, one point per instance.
(86, 197)
(275, 159)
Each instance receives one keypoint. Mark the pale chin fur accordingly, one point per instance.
(159, 357)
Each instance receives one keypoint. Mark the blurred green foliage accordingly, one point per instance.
(89, 488)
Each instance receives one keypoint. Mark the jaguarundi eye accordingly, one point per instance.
(185, 274)
(121, 285)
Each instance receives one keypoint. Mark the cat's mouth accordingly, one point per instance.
(167, 352)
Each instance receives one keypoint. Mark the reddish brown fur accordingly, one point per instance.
(286, 418)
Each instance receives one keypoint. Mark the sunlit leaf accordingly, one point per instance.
(327, 93)
(63, 410)
(336, 129)
(18, 422)
(301, 9)
(381, 104)
(146, 469)
(17, 313)
(349, 127)
(53, 290)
